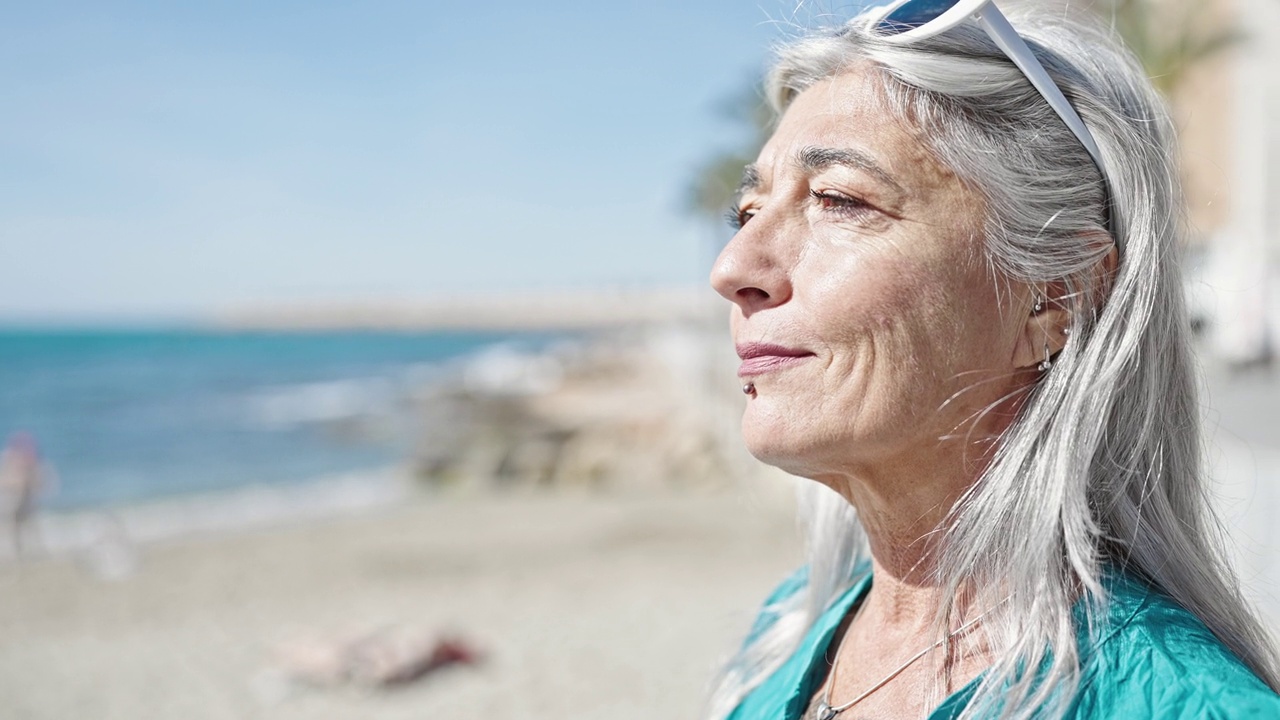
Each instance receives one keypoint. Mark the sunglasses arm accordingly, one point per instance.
(1008, 40)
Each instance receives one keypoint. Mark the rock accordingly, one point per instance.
(637, 409)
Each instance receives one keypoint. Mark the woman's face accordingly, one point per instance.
(865, 313)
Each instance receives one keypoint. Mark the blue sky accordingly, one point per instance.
(173, 159)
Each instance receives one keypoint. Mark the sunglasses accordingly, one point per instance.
(905, 21)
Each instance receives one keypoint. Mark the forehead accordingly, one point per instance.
(849, 111)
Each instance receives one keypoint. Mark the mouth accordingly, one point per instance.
(761, 358)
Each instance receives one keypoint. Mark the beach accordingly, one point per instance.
(584, 521)
(583, 605)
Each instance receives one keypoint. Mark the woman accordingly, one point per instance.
(958, 306)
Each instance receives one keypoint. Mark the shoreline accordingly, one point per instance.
(514, 312)
(230, 511)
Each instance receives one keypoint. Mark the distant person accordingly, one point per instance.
(957, 298)
(24, 477)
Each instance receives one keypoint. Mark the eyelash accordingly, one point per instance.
(838, 203)
(738, 216)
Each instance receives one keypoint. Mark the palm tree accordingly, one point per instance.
(715, 182)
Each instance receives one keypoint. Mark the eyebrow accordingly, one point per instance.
(817, 159)
(750, 179)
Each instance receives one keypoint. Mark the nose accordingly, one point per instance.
(749, 272)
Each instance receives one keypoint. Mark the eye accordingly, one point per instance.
(737, 216)
(839, 202)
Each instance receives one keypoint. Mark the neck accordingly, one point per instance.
(905, 520)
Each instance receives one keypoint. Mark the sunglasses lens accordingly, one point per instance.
(911, 15)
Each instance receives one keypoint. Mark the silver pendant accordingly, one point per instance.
(825, 711)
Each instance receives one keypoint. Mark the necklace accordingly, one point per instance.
(827, 712)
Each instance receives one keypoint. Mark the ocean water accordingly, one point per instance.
(130, 415)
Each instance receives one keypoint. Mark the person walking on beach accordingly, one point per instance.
(22, 479)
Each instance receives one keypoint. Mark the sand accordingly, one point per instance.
(612, 606)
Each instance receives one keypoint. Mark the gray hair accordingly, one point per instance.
(1103, 465)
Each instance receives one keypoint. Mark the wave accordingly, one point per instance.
(287, 406)
(504, 369)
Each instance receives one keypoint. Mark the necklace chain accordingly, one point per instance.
(827, 712)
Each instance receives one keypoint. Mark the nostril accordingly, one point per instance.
(748, 273)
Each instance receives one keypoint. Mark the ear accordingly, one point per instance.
(1051, 310)
(1045, 330)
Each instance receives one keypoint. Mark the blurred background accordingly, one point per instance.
(358, 361)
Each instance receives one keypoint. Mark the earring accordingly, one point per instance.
(1066, 330)
(1048, 363)
(749, 389)
(1039, 303)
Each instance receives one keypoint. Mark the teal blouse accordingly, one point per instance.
(1155, 660)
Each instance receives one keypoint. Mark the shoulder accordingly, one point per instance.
(768, 697)
(795, 589)
(786, 645)
(775, 604)
(1149, 657)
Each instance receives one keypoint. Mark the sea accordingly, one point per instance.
(128, 415)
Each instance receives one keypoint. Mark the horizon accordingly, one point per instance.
(502, 310)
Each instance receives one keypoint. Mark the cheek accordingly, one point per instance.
(904, 338)
(874, 312)
(878, 321)
(969, 314)
(853, 286)
(899, 337)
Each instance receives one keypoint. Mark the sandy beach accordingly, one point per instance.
(606, 555)
(585, 520)
(614, 605)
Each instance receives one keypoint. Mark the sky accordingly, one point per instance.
(177, 159)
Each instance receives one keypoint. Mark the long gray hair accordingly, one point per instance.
(1102, 467)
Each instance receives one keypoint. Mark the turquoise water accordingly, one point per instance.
(131, 415)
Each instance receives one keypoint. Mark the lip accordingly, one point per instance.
(760, 358)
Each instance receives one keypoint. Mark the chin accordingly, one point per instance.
(808, 445)
(775, 441)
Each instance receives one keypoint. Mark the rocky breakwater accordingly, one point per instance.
(647, 407)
